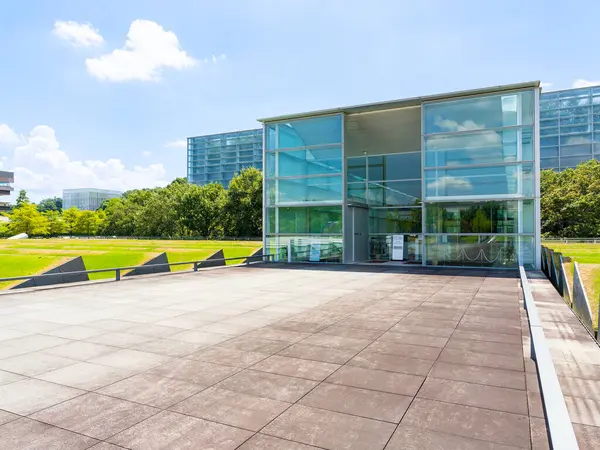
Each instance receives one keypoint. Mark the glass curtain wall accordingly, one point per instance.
(390, 185)
(569, 127)
(479, 181)
(303, 189)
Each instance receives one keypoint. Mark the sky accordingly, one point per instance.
(103, 94)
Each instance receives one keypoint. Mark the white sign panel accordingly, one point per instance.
(315, 253)
(398, 247)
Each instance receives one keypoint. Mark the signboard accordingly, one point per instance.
(398, 247)
(315, 253)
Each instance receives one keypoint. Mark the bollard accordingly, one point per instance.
(195, 266)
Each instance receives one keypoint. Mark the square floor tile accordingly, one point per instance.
(7, 377)
(276, 334)
(80, 350)
(196, 372)
(405, 350)
(269, 385)
(167, 347)
(151, 390)
(31, 364)
(27, 434)
(200, 337)
(380, 361)
(490, 397)
(514, 362)
(28, 396)
(76, 332)
(255, 345)
(470, 422)
(318, 353)
(378, 380)
(329, 429)
(264, 442)
(85, 375)
(152, 330)
(479, 374)
(168, 430)
(414, 339)
(228, 356)
(6, 417)
(338, 342)
(232, 408)
(498, 348)
(294, 367)
(358, 402)
(131, 359)
(94, 415)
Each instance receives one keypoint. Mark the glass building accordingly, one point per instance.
(444, 180)
(87, 198)
(569, 127)
(218, 157)
(6, 180)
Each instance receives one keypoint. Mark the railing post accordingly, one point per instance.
(117, 274)
(195, 266)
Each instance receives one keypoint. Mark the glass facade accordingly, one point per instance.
(479, 181)
(216, 158)
(6, 180)
(467, 197)
(569, 127)
(303, 189)
(87, 199)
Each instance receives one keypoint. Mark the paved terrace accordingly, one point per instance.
(270, 358)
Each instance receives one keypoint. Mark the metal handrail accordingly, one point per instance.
(558, 421)
(197, 264)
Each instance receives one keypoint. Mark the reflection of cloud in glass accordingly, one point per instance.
(464, 141)
(453, 125)
(447, 182)
(575, 140)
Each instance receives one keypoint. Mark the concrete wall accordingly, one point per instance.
(74, 265)
(148, 269)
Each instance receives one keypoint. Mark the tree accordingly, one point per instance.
(50, 204)
(201, 210)
(70, 217)
(243, 207)
(27, 219)
(87, 223)
(570, 201)
(22, 199)
(56, 226)
(120, 217)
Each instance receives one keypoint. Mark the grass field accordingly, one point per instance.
(28, 257)
(588, 258)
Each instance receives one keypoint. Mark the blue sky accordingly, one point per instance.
(75, 113)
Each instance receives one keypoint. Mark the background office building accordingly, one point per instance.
(6, 180)
(569, 127)
(444, 180)
(218, 157)
(87, 199)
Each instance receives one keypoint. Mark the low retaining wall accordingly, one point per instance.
(74, 265)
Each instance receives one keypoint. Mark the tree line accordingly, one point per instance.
(180, 209)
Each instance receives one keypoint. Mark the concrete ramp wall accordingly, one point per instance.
(258, 252)
(210, 261)
(147, 268)
(74, 265)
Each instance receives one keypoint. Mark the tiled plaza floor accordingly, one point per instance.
(265, 358)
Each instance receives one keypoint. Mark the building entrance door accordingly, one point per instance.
(360, 233)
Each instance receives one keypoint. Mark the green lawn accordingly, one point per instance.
(588, 259)
(32, 256)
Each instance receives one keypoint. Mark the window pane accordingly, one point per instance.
(578, 111)
(392, 193)
(375, 166)
(310, 132)
(357, 192)
(480, 251)
(548, 131)
(395, 220)
(548, 123)
(548, 141)
(327, 220)
(310, 189)
(576, 139)
(479, 113)
(270, 139)
(575, 129)
(357, 169)
(480, 181)
(574, 150)
(549, 163)
(547, 152)
(478, 148)
(402, 166)
(573, 161)
(310, 162)
(577, 120)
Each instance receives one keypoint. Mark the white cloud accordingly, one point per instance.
(146, 154)
(581, 83)
(78, 34)
(448, 182)
(43, 169)
(8, 137)
(177, 143)
(148, 49)
(545, 84)
(452, 125)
